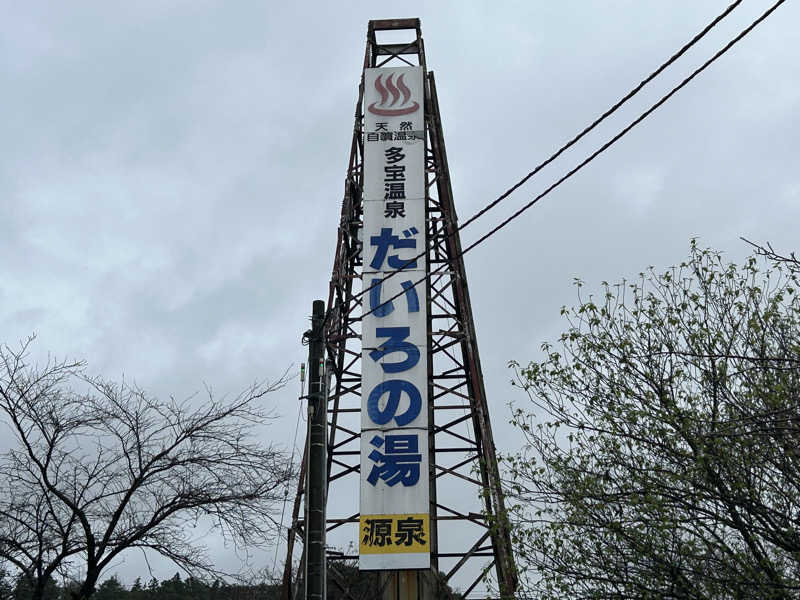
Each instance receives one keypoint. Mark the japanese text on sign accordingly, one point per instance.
(394, 419)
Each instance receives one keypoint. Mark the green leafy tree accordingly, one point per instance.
(25, 588)
(194, 588)
(663, 439)
(152, 587)
(111, 589)
(171, 589)
(137, 591)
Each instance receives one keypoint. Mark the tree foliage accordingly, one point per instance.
(663, 440)
(174, 588)
(97, 468)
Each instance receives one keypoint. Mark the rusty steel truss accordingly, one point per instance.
(469, 533)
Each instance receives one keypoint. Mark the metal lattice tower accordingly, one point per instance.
(469, 533)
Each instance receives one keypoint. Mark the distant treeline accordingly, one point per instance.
(175, 588)
(358, 584)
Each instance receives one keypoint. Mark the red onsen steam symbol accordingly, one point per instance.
(395, 89)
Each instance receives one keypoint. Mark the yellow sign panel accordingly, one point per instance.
(394, 534)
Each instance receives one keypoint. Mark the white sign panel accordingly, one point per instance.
(394, 529)
(395, 400)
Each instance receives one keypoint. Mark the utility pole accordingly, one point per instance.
(317, 457)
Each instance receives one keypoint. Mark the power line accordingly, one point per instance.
(291, 464)
(635, 90)
(592, 156)
(606, 114)
(633, 124)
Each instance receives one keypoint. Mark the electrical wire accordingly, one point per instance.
(632, 124)
(587, 160)
(635, 90)
(291, 462)
(605, 115)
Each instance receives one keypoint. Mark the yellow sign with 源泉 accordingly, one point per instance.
(394, 534)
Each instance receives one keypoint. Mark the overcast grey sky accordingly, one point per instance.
(171, 172)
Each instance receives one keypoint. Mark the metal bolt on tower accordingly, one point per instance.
(469, 534)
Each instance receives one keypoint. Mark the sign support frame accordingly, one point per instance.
(460, 435)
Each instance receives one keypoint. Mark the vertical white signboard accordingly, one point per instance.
(394, 529)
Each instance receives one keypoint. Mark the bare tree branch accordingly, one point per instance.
(767, 251)
(99, 471)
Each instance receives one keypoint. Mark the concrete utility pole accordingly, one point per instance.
(317, 457)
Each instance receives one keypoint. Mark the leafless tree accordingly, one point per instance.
(98, 468)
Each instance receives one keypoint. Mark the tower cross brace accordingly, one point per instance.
(470, 535)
